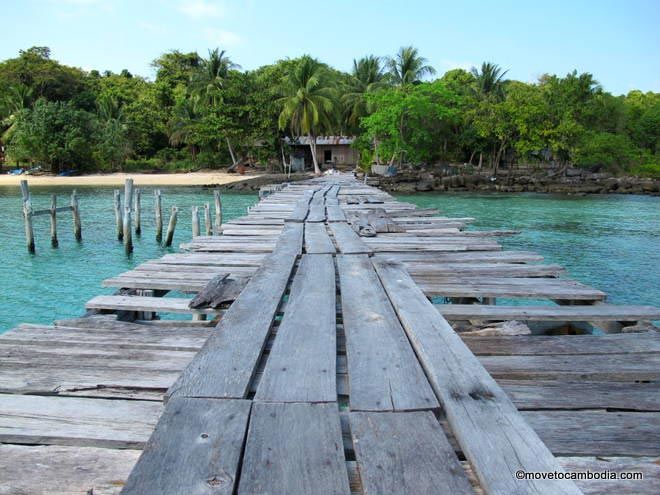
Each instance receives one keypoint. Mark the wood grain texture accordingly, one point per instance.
(608, 312)
(301, 363)
(347, 240)
(405, 453)
(195, 449)
(317, 240)
(493, 435)
(226, 363)
(385, 376)
(294, 448)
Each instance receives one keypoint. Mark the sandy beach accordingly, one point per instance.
(189, 179)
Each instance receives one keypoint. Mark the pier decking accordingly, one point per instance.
(322, 366)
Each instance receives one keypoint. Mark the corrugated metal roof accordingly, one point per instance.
(304, 140)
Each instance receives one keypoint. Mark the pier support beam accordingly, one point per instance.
(218, 211)
(53, 221)
(128, 201)
(118, 215)
(27, 217)
(138, 219)
(158, 212)
(171, 226)
(75, 213)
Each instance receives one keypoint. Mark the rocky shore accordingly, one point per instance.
(574, 182)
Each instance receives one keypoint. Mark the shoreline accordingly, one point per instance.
(117, 179)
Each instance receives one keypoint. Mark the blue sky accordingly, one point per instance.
(617, 41)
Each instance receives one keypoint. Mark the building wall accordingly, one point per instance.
(340, 154)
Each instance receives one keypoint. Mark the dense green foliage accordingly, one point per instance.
(208, 112)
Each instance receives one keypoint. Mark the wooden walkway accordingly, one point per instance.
(316, 363)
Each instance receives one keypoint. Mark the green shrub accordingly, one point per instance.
(651, 170)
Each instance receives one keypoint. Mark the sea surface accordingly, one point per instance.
(56, 283)
(609, 242)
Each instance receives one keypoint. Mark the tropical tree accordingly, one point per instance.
(489, 80)
(308, 102)
(17, 98)
(367, 76)
(408, 67)
(208, 80)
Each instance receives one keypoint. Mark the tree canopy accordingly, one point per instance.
(206, 111)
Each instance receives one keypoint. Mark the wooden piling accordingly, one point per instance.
(118, 215)
(207, 219)
(159, 216)
(128, 201)
(218, 211)
(195, 221)
(27, 217)
(138, 220)
(75, 213)
(170, 227)
(53, 221)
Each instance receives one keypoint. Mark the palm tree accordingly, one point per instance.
(18, 97)
(183, 126)
(408, 67)
(208, 80)
(308, 102)
(489, 80)
(366, 77)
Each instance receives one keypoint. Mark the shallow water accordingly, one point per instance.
(610, 242)
(55, 283)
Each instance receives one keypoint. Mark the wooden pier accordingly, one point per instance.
(314, 361)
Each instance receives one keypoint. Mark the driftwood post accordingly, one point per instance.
(53, 221)
(128, 202)
(118, 215)
(75, 213)
(218, 211)
(195, 221)
(138, 220)
(207, 219)
(159, 216)
(27, 216)
(170, 227)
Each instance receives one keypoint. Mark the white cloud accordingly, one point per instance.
(201, 9)
(221, 37)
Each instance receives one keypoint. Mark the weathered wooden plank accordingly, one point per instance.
(301, 364)
(649, 466)
(547, 394)
(220, 290)
(619, 367)
(317, 240)
(294, 448)
(597, 432)
(335, 213)
(195, 449)
(316, 213)
(226, 363)
(31, 419)
(52, 469)
(145, 303)
(469, 257)
(300, 211)
(609, 312)
(405, 453)
(383, 373)
(491, 432)
(347, 240)
(435, 270)
(564, 344)
(512, 287)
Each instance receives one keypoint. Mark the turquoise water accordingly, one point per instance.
(610, 242)
(55, 283)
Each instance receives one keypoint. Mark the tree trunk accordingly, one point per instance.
(481, 159)
(471, 157)
(376, 151)
(231, 152)
(312, 146)
(498, 157)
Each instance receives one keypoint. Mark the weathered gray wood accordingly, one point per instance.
(208, 226)
(619, 367)
(127, 228)
(138, 212)
(75, 213)
(294, 448)
(405, 453)
(170, 227)
(226, 363)
(317, 240)
(316, 213)
(335, 213)
(30, 419)
(195, 449)
(650, 485)
(144, 303)
(434, 270)
(597, 432)
(491, 432)
(53, 221)
(218, 211)
(220, 290)
(48, 470)
(195, 221)
(565, 344)
(347, 240)
(560, 394)
(301, 364)
(158, 212)
(300, 211)
(609, 312)
(385, 376)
